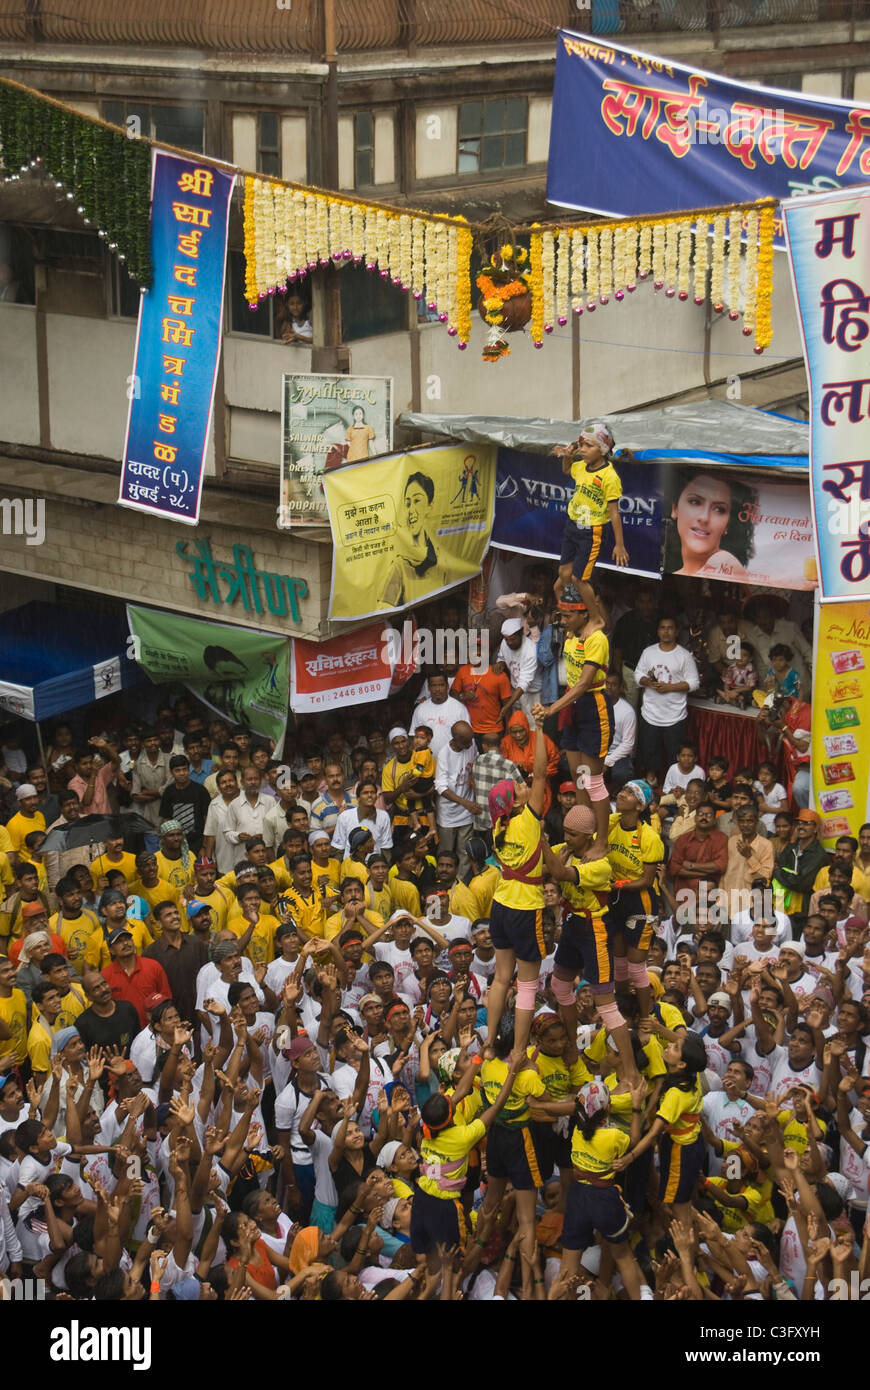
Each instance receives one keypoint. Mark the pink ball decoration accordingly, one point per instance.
(418, 294)
(539, 344)
(370, 265)
(385, 275)
(548, 328)
(431, 306)
(357, 260)
(684, 295)
(747, 332)
(631, 288)
(619, 295)
(451, 331)
(262, 295)
(462, 346)
(758, 350)
(733, 315)
(442, 318)
(669, 293)
(253, 308)
(562, 321)
(699, 299)
(578, 310)
(347, 255)
(658, 284)
(604, 299)
(642, 274)
(717, 308)
(336, 255)
(590, 307)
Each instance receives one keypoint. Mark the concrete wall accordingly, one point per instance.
(436, 147)
(116, 551)
(386, 356)
(19, 406)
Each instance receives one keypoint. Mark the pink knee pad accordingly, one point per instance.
(526, 992)
(610, 1016)
(637, 974)
(596, 788)
(563, 990)
(620, 969)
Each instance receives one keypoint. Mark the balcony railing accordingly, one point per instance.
(261, 26)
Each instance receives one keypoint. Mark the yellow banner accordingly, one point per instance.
(408, 526)
(841, 719)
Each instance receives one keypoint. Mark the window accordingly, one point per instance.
(16, 265)
(363, 150)
(271, 318)
(492, 134)
(176, 125)
(268, 143)
(125, 292)
(369, 305)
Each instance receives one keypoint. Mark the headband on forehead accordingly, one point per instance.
(429, 1130)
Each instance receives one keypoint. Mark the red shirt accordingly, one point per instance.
(485, 696)
(148, 977)
(260, 1267)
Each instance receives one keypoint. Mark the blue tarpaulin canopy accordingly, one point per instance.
(53, 659)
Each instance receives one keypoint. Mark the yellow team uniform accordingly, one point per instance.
(528, 1082)
(404, 896)
(330, 873)
(39, 1043)
(585, 934)
(336, 924)
(557, 1078)
(449, 1150)
(7, 877)
(582, 651)
(422, 764)
(681, 1111)
(860, 882)
(462, 901)
(594, 490)
(19, 825)
(103, 865)
(629, 851)
(596, 1155)
(73, 1004)
(161, 892)
(13, 1012)
(353, 868)
(76, 933)
(307, 911)
(220, 902)
(522, 838)
(482, 887)
(261, 947)
(173, 870)
(758, 1205)
(795, 1132)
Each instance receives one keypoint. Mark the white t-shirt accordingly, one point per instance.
(379, 825)
(401, 961)
(325, 1190)
(778, 797)
(720, 1113)
(453, 773)
(440, 719)
(742, 923)
(670, 667)
(763, 1067)
(675, 777)
(784, 1076)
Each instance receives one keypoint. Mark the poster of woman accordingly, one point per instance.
(717, 526)
(408, 526)
(327, 421)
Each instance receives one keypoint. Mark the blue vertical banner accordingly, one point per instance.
(178, 340)
(829, 253)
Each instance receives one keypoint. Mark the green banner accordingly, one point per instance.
(240, 674)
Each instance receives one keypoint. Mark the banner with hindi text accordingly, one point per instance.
(407, 527)
(178, 340)
(355, 668)
(661, 137)
(829, 253)
(841, 719)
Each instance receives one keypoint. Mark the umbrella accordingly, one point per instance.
(92, 830)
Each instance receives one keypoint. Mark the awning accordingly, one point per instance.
(734, 435)
(52, 662)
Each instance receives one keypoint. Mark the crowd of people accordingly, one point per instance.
(490, 991)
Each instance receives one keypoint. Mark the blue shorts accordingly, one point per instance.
(581, 547)
(436, 1221)
(584, 948)
(591, 727)
(591, 1208)
(629, 913)
(511, 1155)
(323, 1217)
(679, 1168)
(518, 929)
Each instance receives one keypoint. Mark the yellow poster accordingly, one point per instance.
(408, 526)
(841, 719)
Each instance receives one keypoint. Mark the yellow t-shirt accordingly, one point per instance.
(795, 1132)
(528, 1082)
(39, 1044)
(620, 1103)
(462, 901)
(422, 764)
(220, 902)
(76, 932)
(102, 865)
(19, 825)
(558, 1078)
(330, 871)
(174, 872)
(261, 947)
(522, 836)
(733, 1219)
(307, 912)
(162, 892)
(336, 924)
(594, 490)
(591, 893)
(353, 868)
(13, 1012)
(7, 877)
(584, 651)
(450, 1149)
(6, 846)
(482, 887)
(681, 1111)
(73, 1004)
(860, 882)
(596, 1155)
(404, 896)
(629, 851)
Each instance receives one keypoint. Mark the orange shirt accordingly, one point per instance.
(486, 694)
(260, 1267)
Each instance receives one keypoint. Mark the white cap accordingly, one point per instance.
(721, 998)
(397, 732)
(799, 948)
(388, 1153)
(511, 626)
(26, 789)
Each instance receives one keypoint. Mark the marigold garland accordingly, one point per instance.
(735, 229)
(592, 243)
(251, 279)
(717, 273)
(563, 277)
(578, 270)
(700, 259)
(548, 268)
(536, 286)
(764, 294)
(750, 272)
(644, 260)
